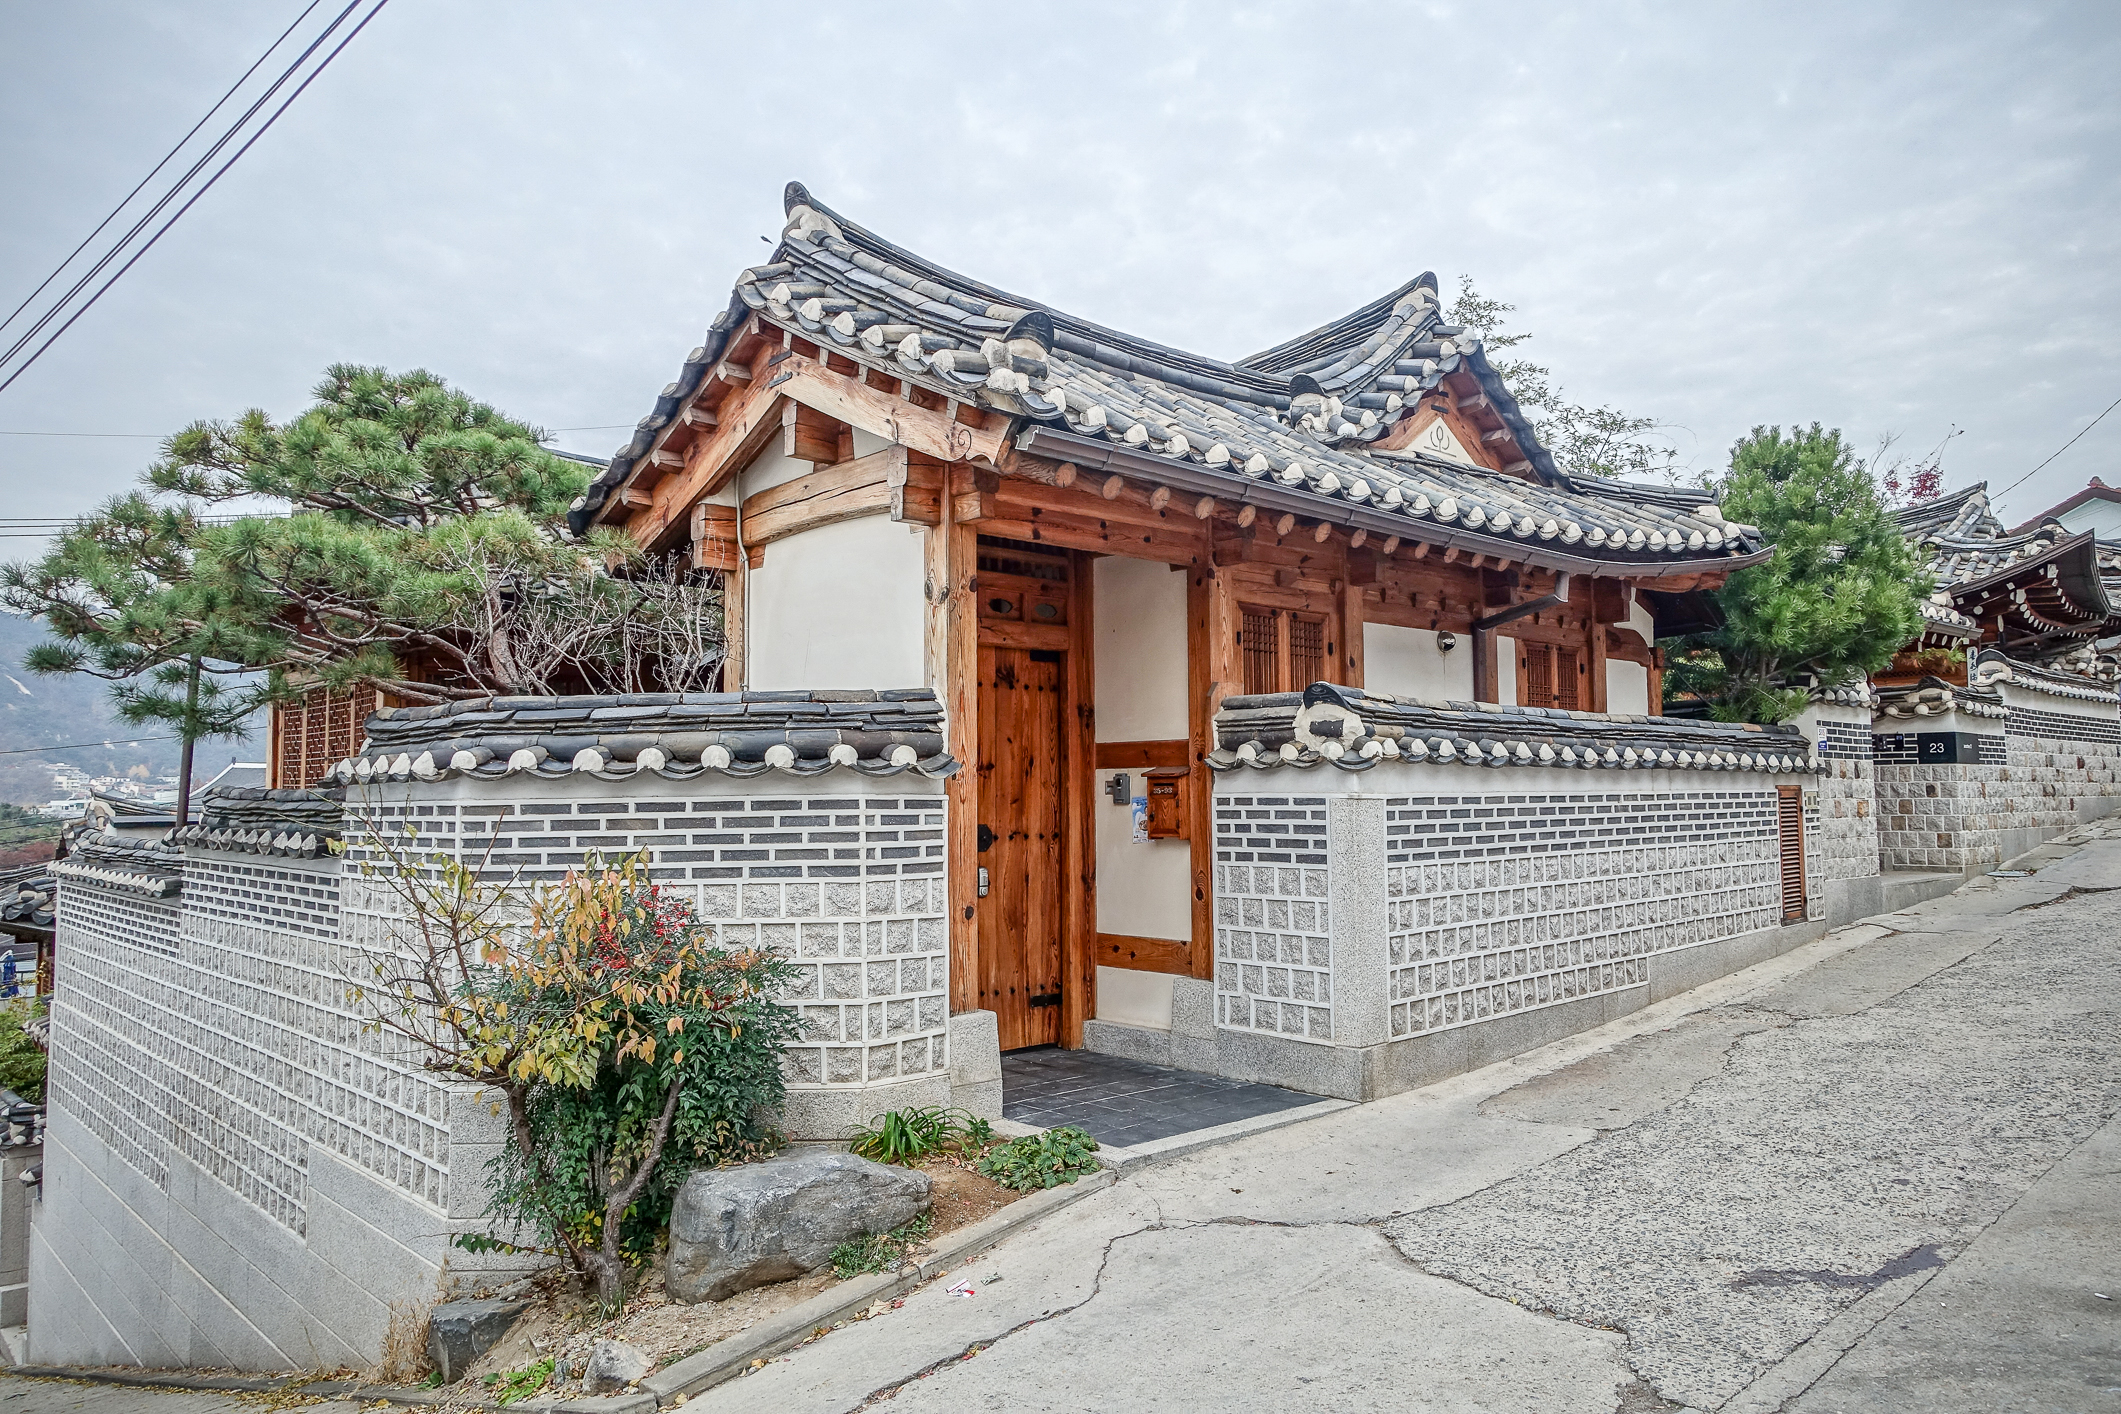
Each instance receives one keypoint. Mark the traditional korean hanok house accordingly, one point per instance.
(1130, 572)
(1999, 728)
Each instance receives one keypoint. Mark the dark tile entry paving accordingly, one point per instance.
(1123, 1102)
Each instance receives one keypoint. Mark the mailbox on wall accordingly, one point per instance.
(1167, 802)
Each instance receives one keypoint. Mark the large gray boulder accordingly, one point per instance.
(736, 1228)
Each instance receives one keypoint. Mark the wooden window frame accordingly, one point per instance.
(1283, 668)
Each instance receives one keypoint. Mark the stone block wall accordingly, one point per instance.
(2021, 773)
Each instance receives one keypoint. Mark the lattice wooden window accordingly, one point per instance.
(1260, 642)
(321, 729)
(1550, 676)
(1283, 651)
(1789, 822)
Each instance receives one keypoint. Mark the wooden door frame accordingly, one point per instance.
(954, 624)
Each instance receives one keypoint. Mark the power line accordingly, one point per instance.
(86, 745)
(143, 435)
(177, 187)
(2116, 403)
(163, 230)
(60, 268)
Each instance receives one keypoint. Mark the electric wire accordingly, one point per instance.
(85, 745)
(60, 269)
(197, 167)
(2116, 403)
(103, 289)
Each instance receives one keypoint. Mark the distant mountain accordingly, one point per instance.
(41, 711)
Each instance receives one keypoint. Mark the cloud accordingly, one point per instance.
(1887, 218)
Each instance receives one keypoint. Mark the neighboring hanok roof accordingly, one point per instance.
(2044, 583)
(1294, 427)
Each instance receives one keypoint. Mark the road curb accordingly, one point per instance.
(729, 1358)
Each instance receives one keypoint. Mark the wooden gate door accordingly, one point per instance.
(1021, 769)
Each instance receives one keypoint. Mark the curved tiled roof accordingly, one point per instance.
(1357, 730)
(297, 824)
(675, 735)
(1303, 416)
(147, 866)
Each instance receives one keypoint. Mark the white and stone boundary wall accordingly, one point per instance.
(1845, 862)
(1406, 890)
(235, 1173)
(238, 1173)
(1970, 777)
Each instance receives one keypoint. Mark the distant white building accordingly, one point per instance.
(2096, 508)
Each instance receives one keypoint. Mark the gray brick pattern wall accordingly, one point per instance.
(2064, 726)
(239, 1048)
(1844, 741)
(1503, 903)
(113, 1027)
(848, 885)
(1273, 934)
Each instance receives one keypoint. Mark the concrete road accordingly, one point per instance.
(1880, 1173)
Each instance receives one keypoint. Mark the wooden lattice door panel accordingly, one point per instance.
(322, 729)
(1283, 651)
(1022, 769)
(1789, 830)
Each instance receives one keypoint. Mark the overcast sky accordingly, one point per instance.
(1890, 219)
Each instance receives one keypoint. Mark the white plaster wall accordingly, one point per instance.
(769, 469)
(1405, 662)
(1134, 998)
(1505, 670)
(1139, 655)
(1627, 688)
(839, 607)
(1139, 667)
(2102, 516)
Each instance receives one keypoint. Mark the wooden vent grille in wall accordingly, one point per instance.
(1789, 821)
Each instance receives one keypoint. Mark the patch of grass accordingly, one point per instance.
(908, 1136)
(513, 1385)
(1044, 1160)
(880, 1251)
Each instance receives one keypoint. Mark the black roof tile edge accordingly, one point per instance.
(1314, 727)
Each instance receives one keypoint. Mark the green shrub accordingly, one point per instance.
(908, 1136)
(880, 1251)
(1044, 1160)
(21, 1059)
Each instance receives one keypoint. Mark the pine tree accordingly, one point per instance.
(418, 546)
(1839, 595)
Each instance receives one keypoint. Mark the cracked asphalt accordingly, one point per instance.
(1882, 1172)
